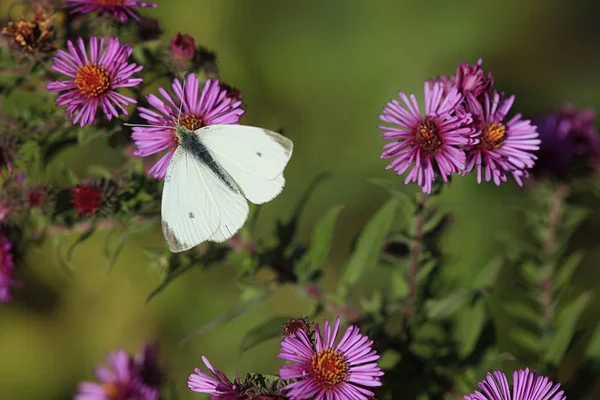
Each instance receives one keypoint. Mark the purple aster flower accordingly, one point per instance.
(119, 381)
(7, 265)
(504, 147)
(94, 79)
(218, 385)
(430, 141)
(570, 143)
(326, 370)
(468, 79)
(121, 9)
(526, 386)
(210, 106)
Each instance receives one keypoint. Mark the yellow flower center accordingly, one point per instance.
(92, 80)
(191, 122)
(492, 137)
(428, 136)
(329, 368)
(112, 391)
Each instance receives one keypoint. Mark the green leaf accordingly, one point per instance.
(261, 333)
(320, 244)
(487, 276)
(247, 303)
(368, 245)
(524, 312)
(433, 221)
(593, 348)
(532, 272)
(398, 284)
(393, 188)
(99, 171)
(526, 339)
(565, 272)
(566, 323)
(133, 228)
(470, 324)
(448, 306)
(80, 239)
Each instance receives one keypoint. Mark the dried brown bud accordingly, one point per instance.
(34, 35)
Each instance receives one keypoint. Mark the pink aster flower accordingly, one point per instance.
(504, 147)
(119, 381)
(94, 78)
(326, 370)
(428, 142)
(121, 9)
(210, 106)
(526, 386)
(7, 265)
(217, 384)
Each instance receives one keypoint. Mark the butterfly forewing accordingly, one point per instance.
(254, 157)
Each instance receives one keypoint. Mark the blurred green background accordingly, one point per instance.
(322, 71)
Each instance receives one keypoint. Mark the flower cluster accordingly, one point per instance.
(125, 377)
(526, 386)
(319, 368)
(463, 127)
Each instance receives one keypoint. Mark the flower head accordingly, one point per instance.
(430, 141)
(209, 106)
(504, 147)
(95, 76)
(218, 385)
(31, 35)
(120, 380)
(570, 144)
(526, 386)
(146, 363)
(296, 324)
(472, 79)
(7, 265)
(91, 197)
(329, 371)
(121, 9)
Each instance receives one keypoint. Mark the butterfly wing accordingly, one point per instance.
(196, 205)
(254, 157)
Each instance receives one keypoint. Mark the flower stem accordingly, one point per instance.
(415, 255)
(549, 248)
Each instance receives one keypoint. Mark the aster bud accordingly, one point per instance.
(297, 324)
(183, 47)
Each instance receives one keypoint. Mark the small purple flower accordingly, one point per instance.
(430, 141)
(7, 265)
(209, 107)
(504, 147)
(468, 79)
(119, 381)
(570, 143)
(121, 9)
(526, 386)
(329, 371)
(217, 385)
(94, 79)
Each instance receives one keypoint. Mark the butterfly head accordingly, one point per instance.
(181, 131)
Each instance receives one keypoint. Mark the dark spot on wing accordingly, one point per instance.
(258, 153)
(191, 215)
(170, 237)
(167, 178)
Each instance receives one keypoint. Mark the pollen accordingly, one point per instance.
(493, 137)
(329, 368)
(93, 80)
(428, 137)
(191, 122)
(112, 391)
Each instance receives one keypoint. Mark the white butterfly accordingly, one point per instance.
(212, 174)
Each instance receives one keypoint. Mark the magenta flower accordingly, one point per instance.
(570, 144)
(7, 265)
(526, 386)
(94, 79)
(209, 107)
(328, 371)
(218, 385)
(429, 142)
(503, 147)
(119, 381)
(468, 79)
(121, 9)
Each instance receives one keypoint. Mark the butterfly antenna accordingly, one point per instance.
(182, 96)
(148, 126)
